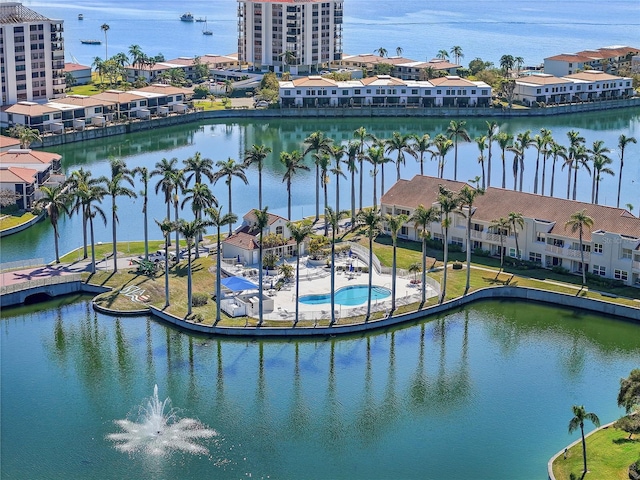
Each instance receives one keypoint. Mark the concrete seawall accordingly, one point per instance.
(22, 226)
(52, 290)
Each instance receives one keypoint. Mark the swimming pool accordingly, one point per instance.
(349, 296)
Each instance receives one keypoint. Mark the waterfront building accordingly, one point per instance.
(613, 59)
(611, 247)
(153, 71)
(8, 143)
(31, 55)
(81, 73)
(403, 68)
(299, 36)
(383, 90)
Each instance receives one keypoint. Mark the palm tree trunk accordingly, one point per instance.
(393, 277)
(446, 258)
(381, 180)
(317, 193)
(370, 278)
(535, 176)
(175, 205)
(584, 449)
(360, 184)
(230, 209)
(260, 186)
(93, 247)
(337, 193)
(260, 281)
(455, 163)
(218, 278)
(593, 188)
(298, 283)
(521, 171)
(168, 200)
(333, 277)
(553, 177)
(620, 178)
(597, 189)
(326, 204)
(113, 233)
(424, 269)
(501, 253)
(289, 199)
(483, 176)
(166, 269)
(55, 238)
(84, 231)
(504, 173)
(569, 181)
(146, 231)
(353, 198)
(575, 182)
(422, 163)
(468, 285)
(189, 293)
(375, 197)
(397, 176)
(489, 165)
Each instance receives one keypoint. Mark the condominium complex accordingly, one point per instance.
(295, 35)
(614, 59)
(31, 55)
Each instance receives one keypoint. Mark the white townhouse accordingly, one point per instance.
(565, 64)
(611, 247)
(89, 110)
(610, 59)
(403, 68)
(383, 91)
(598, 85)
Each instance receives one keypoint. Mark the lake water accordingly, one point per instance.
(487, 390)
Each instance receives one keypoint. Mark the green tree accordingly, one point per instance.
(481, 142)
(580, 415)
(256, 155)
(166, 227)
(448, 204)
(442, 145)
(516, 220)
(317, 143)
(422, 218)
(442, 55)
(382, 52)
(371, 219)
(578, 222)
(166, 170)
(420, 147)
(218, 220)
(506, 64)
(623, 141)
(401, 144)
(466, 199)
(227, 170)
(573, 154)
(457, 132)
(26, 135)
(556, 150)
(323, 162)
(120, 175)
(501, 225)
(197, 167)
(600, 161)
(629, 394)
(539, 142)
(293, 164)
(262, 220)
(492, 132)
(299, 233)
(105, 28)
(361, 136)
(201, 198)
(93, 197)
(79, 186)
(546, 152)
(333, 218)
(504, 140)
(191, 231)
(375, 156)
(395, 224)
(144, 176)
(456, 51)
(56, 202)
(352, 168)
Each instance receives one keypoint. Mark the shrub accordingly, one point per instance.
(200, 91)
(457, 266)
(482, 253)
(560, 270)
(199, 299)
(455, 248)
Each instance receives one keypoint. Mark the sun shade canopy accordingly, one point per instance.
(237, 284)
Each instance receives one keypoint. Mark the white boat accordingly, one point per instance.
(205, 30)
(187, 17)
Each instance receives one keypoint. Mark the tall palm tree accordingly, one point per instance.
(317, 143)
(56, 201)
(399, 51)
(575, 142)
(370, 218)
(166, 227)
(25, 135)
(482, 144)
(144, 176)
(323, 162)
(256, 155)
(423, 217)
(421, 146)
(333, 218)
(79, 184)
(361, 136)
(600, 162)
(580, 160)
(293, 164)
(352, 168)
(448, 204)
(466, 198)
(623, 141)
(518, 152)
(299, 233)
(504, 140)
(442, 145)
(375, 156)
(262, 220)
(457, 132)
(579, 417)
(539, 143)
(492, 132)
(502, 225)
(556, 150)
(95, 194)
(524, 140)
(382, 52)
(218, 220)
(456, 51)
(191, 231)
(546, 151)
(442, 54)
(578, 221)
(401, 144)
(227, 170)
(394, 224)
(178, 188)
(198, 167)
(338, 153)
(506, 64)
(201, 198)
(105, 28)
(120, 175)
(136, 55)
(166, 170)
(516, 220)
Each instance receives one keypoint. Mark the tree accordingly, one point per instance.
(105, 28)
(262, 220)
(95, 194)
(375, 156)
(539, 142)
(352, 168)
(201, 198)
(448, 204)
(442, 145)
(144, 176)
(178, 188)
(519, 61)
(524, 141)
(26, 135)
(546, 151)
(482, 144)
(370, 218)
(98, 65)
(191, 231)
(79, 186)
(518, 152)
(166, 170)
(492, 132)
(579, 417)
(600, 162)
(382, 52)
(457, 132)
(293, 164)
(299, 232)
(401, 144)
(477, 65)
(227, 170)
(55, 200)
(629, 423)
(456, 51)
(421, 146)
(361, 136)
(574, 152)
(578, 222)
(466, 198)
(516, 220)
(623, 141)
(422, 218)
(504, 140)
(556, 150)
(119, 174)
(218, 220)
(502, 225)
(333, 218)
(197, 167)
(399, 51)
(629, 394)
(317, 143)
(442, 54)
(256, 155)
(166, 227)
(506, 64)
(138, 58)
(395, 224)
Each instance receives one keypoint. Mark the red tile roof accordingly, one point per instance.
(17, 175)
(27, 156)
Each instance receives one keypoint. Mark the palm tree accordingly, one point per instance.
(423, 217)
(201, 198)
(178, 188)
(382, 52)
(105, 28)
(492, 132)
(317, 143)
(401, 144)
(166, 227)
(448, 204)
(333, 218)
(229, 169)
(375, 156)
(623, 141)
(516, 220)
(504, 140)
(94, 194)
(323, 162)
(501, 225)
(166, 169)
(456, 51)
(191, 231)
(442, 145)
(299, 232)
(370, 218)
(136, 55)
(518, 152)
(262, 220)
(579, 417)
(421, 146)
(144, 176)
(442, 54)
(218, 220)
(26, 135)
(352, 168)
(466, 197)
(456, 131)
(399, 51)
(55, 200)
(256, 154)
(539, 142)
(581, 159)
(119, 174)
(578, 221)
(338, 153)
(482, 144)
(506, 64)
(197, 167)
(361, 137)
(600, 161)
(519, 61)
(556, 150)
(395, 224)
(293, 164)
(546, 151)
(79, 183)
(525, 141)
(575, 142)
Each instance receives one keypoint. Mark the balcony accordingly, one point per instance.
(555, 250)
(575, 253)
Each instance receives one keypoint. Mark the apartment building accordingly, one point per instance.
(401, 67)
(611, 248)
(613, 59)
(31, 55)
(295, 35)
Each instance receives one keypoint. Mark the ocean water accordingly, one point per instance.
(483, 28)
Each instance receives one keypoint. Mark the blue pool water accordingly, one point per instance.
(353, 295)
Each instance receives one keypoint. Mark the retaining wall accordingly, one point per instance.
(53, 290)
(22, 226)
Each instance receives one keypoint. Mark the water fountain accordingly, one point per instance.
(160, 431)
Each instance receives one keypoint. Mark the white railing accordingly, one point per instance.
(20, 264)
(554, 249)
(575, 253)
(41, 282)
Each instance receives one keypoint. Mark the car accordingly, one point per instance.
(158, 256)
(261, 104)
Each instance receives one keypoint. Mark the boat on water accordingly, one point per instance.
(91, 42)
(200, 19)
(187, 17)
(80, 16)
(205, 30)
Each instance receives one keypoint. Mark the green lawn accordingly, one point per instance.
(208, 105)
(609, 454)
(88, 90)
(10, 220)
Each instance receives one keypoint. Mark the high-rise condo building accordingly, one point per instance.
(295, 35)
(31, 55)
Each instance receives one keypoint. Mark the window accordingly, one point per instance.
(512, 252)
(287, 93)
(97, 110)
(535, 257)
(620, 275)
(540, 237)
(404, 231)
(345, 92)
(599, 270)
(457, 241)
(626, 253)
(597, 248)
(280, 230)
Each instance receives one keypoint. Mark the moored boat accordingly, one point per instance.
(80, 16)
(91, 42)
(187, 17)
